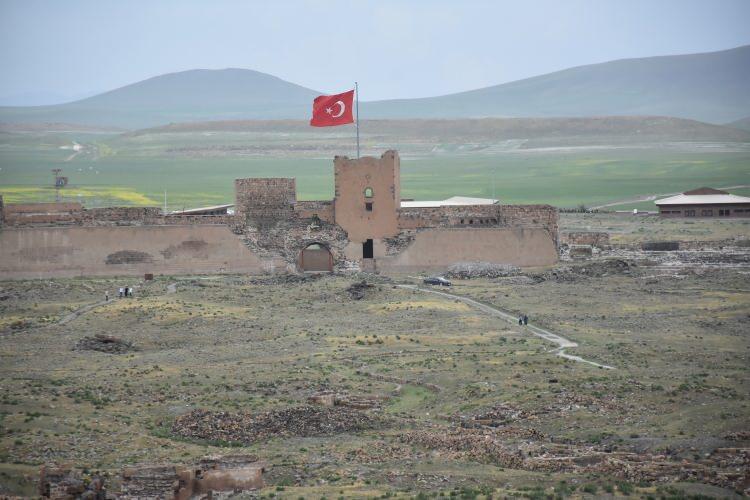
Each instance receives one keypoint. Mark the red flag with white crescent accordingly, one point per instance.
(332, 110)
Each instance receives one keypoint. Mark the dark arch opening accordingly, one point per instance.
(316, 257)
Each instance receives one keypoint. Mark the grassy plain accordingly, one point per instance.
(199, 168)
(679, 344)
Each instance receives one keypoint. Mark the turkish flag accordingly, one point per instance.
(332, 110)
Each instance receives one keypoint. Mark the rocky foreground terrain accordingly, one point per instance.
(349, 386)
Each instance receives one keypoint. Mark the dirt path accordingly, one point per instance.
(81, 310)
(561, 342)
(171, 288)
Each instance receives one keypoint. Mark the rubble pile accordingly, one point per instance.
(245, 427)
(499, 414)
(151, 481)
(64, 482)
(592, 269)
(472, 444)
(357, 290)
(470, 270)
(212, 475)
(567, 401)
(331, 398)
(660, 246)
(401, 381)
(725, 467)
(284, 279)
(104, 343)
(738, 436)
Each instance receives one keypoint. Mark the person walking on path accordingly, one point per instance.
(120, 291)
(106, 296)
(520, 320)
(130, 291)
(525, 320)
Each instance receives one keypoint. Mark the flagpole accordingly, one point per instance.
(356, 96)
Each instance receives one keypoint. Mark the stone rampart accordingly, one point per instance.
(44, 252)
(264, 202)
(73, 214)
(435, 249)
(309, 209)
(481, 216)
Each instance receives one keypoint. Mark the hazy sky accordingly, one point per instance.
(54, 49)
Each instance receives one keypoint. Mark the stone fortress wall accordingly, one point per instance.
(270, 230)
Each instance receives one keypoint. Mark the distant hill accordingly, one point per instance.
(567, 131)
(743, 124)
(710, 87)
(175, 97)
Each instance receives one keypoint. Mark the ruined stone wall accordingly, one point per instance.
(481, 216)
(456, 216)
(308, 209)
(73, 214)
(281, 245)
(37, 252)
(593, 238)
(529, 216)
(121, 215)
(186, 220)
(264, 202)
(42, 213)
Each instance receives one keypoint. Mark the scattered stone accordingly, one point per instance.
(62, 483)
(591, 269)
(580, 251)
(331, 398)
(401, 381)
(357, 290)
(245, 427)
(213, 474)
(725, 467)
(472, 270)
(150, 481)
(660, 246)
(104, 343)
(284, 279)
(738, 436)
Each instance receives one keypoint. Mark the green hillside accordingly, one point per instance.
(177, 97)
(710, 87)
(743, 124)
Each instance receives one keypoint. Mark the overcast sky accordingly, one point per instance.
(52, 50)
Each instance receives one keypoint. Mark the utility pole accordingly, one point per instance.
(494, 169)
(57, 172)
(165, 202)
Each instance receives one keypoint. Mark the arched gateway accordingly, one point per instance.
(316, 258)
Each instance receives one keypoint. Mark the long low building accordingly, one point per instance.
(704, 202)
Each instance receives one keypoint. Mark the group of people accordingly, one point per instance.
(123, 291)
(523, 320)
